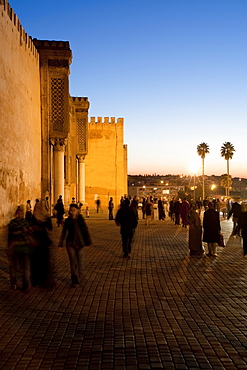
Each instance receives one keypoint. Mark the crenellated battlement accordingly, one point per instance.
(25, 39)
(51, 44)
(105, 121)
(79, 98)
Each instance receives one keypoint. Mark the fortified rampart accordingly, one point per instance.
(20, 151)
(106, 167)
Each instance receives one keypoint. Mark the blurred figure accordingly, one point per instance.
(161, 211)
(205, 203)
(47, 205)
(97, 205)
(177, 210)
(18, 250)
(126, 219)
(243, 227)
(110, 208)
(195, 232)
(36, 202)
(42, 260)
(143, 207)
(134, 206)
(148, 210)
(77, 237)
(235, 212)
(171, 209)
(184, 212)
(87, 212)
(59, 208)
(199, 205)
(28, 214)
(211, 226)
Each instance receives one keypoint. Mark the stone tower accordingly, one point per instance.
(55, 59)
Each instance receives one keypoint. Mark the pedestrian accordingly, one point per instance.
(199, 205)
(110, 208)
(47, 205)
(97, 205)
(211, 232)
(134, 206)
(148, 211)
(59, 208)
(36, 202)
(87, 212)
(126, 219)
(73, 201)
(243, 227)
(18, 250)
(161, 211)
(77, 237)
(184, 212)
(28, 215)
(177, 210)
(42, 258)
(205, 204)
(235, 212)
(143, 207)
(195, 232)
(171, 209)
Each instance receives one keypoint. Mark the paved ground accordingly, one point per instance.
(161, 309)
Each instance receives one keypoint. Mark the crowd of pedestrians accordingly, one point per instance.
(29, 244)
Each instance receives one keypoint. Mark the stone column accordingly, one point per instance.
(81, 178)
(58, 147)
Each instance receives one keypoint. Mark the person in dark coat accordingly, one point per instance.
(171, 209)
(127, 220)
(161, 211)
(177, 210)
(184, 212)
(18, 250)
(134, 206)
(243, 226)
(110, 208)
(42, 260)
(59, 208)
(143, 207)
(211, 226)
(235, 212)
(77, 237)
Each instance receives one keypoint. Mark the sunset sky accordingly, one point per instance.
(174, 70)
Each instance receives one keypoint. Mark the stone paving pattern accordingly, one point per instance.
(160, 309)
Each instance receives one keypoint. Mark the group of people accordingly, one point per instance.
(30, 248)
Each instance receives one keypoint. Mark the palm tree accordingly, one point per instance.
(226, 151)
(202, 150)
(225, 181)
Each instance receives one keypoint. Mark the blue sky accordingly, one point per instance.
(175, 70)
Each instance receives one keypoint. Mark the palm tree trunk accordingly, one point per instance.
(203, 188)
(228, 192)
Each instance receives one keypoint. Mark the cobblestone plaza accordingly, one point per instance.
(160, 309)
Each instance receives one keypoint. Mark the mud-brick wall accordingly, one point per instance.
(20, 126)
(106, 162)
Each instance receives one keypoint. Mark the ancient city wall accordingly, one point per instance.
(20, 150)
(106, 167)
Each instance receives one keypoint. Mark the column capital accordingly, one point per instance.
(80, 157)
(58, 144)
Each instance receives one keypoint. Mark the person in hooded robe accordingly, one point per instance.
(42, 260)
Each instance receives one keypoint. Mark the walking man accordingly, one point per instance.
(127, 220)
